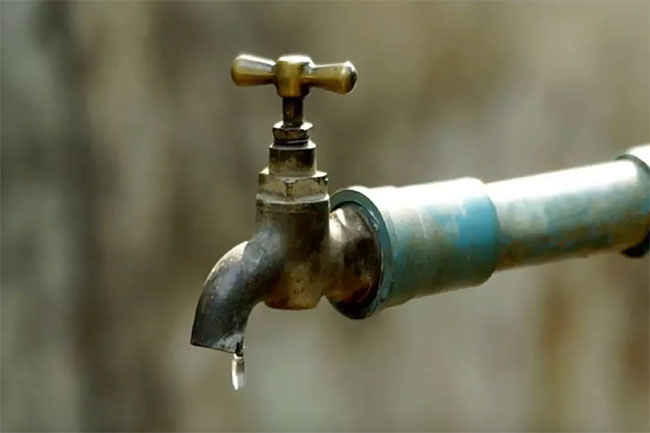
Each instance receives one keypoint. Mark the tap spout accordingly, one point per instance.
(236, 284)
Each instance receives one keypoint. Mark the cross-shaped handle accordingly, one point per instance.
(293, 75)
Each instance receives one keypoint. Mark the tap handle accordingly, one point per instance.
(293, 75)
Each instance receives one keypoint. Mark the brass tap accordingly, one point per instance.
(299, 252)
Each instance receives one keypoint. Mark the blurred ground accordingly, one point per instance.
(129, 164)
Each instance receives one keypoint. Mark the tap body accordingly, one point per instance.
(296, 256)
(300, 251)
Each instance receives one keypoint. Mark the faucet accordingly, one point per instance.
(300, 250)
(366, 249)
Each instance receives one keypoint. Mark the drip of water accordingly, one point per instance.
(238, 369)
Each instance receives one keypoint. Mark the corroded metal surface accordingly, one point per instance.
(384, 246)
(299, 251)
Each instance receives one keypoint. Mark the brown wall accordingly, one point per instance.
(129, 164)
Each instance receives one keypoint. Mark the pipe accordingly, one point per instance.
(570, 213)
(446, 235)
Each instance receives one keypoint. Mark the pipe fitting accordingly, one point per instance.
(447, 235)
(432, 238)
(641, 156)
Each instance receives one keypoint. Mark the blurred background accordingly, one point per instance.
(129, 163)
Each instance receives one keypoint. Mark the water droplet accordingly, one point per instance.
(237, 370)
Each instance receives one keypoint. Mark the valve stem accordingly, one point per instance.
(292, 112)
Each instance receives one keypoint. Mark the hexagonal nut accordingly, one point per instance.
(293, 188)
(282, 133)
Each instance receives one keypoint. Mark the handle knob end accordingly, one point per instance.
(248, 70)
